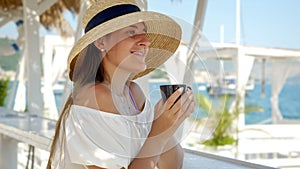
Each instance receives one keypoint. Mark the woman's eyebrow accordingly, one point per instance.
(134, 26)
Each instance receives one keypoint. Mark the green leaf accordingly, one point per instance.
(226, 126)
(204, 103)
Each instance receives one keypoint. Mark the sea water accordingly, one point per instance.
(289, 101)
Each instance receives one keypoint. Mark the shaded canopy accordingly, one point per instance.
(51, 18)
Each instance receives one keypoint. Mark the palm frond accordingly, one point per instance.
(225, 117)
(51, 18)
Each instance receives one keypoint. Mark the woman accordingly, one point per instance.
(107, 122)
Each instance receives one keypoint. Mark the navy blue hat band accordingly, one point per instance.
(109, 14)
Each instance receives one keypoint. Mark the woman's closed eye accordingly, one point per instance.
(131, 32)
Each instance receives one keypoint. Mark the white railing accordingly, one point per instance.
(274, 145)
(19, 130)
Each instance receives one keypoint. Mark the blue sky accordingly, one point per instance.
(268, 23)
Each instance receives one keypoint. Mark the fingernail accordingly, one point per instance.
(180, 89)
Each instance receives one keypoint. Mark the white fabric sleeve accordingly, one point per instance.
(92, 138)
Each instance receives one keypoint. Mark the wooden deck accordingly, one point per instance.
(38, 132)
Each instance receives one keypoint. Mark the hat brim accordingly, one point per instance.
(163, 33)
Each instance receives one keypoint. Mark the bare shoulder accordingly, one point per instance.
(138, 94)
(97, 97)
(104, 99)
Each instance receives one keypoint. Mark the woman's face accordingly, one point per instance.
(127, 48)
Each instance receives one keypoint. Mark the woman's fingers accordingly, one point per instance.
(178, 105)
(171, 100)
(182, 104)
(185, 106)
(159, 105)
(170, 115)
(187, 113)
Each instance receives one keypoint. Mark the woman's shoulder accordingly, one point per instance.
(97, 97)
(135, 87)
(138, 94)
(104, 99)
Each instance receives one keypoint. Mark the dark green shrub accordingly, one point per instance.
(3, 90)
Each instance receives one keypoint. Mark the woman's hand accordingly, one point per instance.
(169, 115)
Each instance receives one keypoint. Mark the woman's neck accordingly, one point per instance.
(117, 80)
(117, 85)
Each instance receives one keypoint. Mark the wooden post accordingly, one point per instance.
(9, 152)
(32, 51)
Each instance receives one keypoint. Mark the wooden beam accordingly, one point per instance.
(198, 25)
(44, 5)
(196, 34)
(272, 52)
(4, 21)
(200, 14)
(261, 52)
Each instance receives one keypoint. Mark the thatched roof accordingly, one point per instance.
(53, 17)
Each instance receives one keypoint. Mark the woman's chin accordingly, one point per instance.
(139, 70)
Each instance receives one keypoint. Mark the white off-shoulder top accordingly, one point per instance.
(94, 137)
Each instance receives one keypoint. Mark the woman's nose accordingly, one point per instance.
(143, 40)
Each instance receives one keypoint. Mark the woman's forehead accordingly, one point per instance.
(140, 25)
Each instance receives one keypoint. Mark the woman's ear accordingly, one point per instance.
(99, 44)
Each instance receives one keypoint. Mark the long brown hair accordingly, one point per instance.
(87, 68)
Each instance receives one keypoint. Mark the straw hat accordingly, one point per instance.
(106, 16)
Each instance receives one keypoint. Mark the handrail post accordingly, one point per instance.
(9, 152)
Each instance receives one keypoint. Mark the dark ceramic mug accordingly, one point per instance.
(167, 90)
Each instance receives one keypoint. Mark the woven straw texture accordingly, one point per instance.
(163, 33)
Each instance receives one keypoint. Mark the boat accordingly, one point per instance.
(227, 85)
